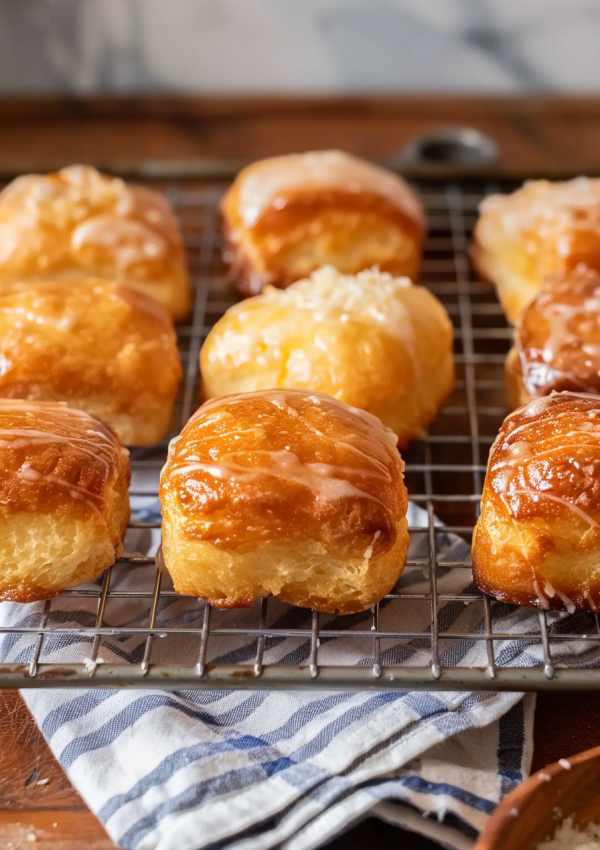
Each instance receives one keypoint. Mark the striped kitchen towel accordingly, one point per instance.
(249, 770)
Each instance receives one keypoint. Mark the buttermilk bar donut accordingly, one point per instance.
(537, 541)
(370, 340)
(286, 493)
(543, 229)
(79, 223)
(288, 215)
(64, 504)
(99, 346)
(557, 340)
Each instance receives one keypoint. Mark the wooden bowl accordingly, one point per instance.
(528, 815)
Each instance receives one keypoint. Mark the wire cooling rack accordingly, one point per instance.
(157, 639)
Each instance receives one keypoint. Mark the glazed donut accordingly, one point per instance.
(537, 541)
(288, 215)
(99, 346)
(543, 229)
(64, 504)
(557, 340)
(286, 493)
(370, 340)
(79, 223)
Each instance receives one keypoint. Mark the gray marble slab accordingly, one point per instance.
(86, 46)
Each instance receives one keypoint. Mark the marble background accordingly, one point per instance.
(83, 46)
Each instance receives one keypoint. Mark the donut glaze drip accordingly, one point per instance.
(50, 452)
(558, 337)
(291, 459)
(87, 219)
(268, 182)
(538, 537)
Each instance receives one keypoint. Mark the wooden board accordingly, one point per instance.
(535, 135)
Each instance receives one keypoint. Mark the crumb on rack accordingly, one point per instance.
(91, 664)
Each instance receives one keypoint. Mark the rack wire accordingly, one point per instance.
(131, 629)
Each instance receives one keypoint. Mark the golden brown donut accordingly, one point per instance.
(542, 230)
(537, 541)
(99, 346)
(286, 493)
(370, 340)
(557, 340)
(288, 215)
(64, 504)
(79, 223)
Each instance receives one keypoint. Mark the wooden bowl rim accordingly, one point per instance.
(502, 816)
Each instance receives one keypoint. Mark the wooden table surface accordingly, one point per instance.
(535, 135)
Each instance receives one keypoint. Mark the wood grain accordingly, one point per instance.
(536, 135)
(53, 812)
(532, 812)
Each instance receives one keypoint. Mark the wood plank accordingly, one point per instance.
(53, 812)
(52, 830)
(256, 107)
(535, 135)
(24, 754)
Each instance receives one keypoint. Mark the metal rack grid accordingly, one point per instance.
(168, 642)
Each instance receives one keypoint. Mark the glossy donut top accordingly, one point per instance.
(545, 461)
(271, 184)
(558, 336)
(286, 464)
(79, 217)
(53, 456)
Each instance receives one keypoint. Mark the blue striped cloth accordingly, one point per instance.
(249, 770)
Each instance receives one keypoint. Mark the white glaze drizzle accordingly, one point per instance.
(266, 183)
(76, 491)
(96, 443)
(551, 592)
(26, 438)
(549, 206)
(52, 411)
(135, 224)
(538, 592)
(537, 409)
(320, 478)
(127, 239)
(386, 436)
(568, 602)
(275, 397)
(559, 317)
(368, 553)
(377, 447)
(542, 494)
(505, 473)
